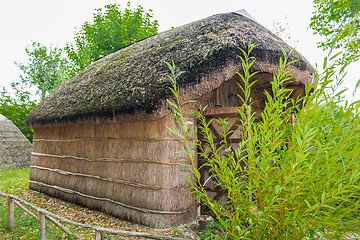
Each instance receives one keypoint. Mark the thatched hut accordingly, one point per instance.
(15, 148)
(100, 139)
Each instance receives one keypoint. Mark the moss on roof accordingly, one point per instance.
(133, 78)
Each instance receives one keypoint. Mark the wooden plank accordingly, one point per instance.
(42, 226)
(231, 140)
(216, 133)
(10, 217)
(221, 111)
(138, 234)
(230, 133)
(26, 210)
(231, 112)
(67, 231)
(98, 235)
(202, 170)
(219, 193)
(223, 116)
(233, 128)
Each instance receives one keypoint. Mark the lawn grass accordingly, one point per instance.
(16, 182)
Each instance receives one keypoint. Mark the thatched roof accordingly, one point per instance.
(15, 149)
(132, 79)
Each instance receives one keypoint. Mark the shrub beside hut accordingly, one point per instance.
(101, 141)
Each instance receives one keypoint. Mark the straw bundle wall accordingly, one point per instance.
(125, 169)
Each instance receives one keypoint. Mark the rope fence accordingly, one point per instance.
(43, 214)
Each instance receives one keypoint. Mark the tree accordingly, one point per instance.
(110, 30)
(17, 108)
(46, 68)
(339, 22)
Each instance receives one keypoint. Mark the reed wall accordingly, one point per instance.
(127, 169)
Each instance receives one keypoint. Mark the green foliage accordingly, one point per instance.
(301, 177)
(17, 108)
(110, 30)
(339, 23)
(46, 68)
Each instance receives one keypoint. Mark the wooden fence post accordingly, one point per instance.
(10, 217)
(42, 226)
(97, 235)
(59, 225)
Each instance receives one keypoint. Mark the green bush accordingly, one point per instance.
(17, 108)
(302, 163)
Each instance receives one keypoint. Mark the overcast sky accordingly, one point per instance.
(54, 22)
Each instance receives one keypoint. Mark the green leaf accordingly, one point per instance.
(173, 104)
(174, 131)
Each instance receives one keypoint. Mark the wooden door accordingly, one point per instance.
(233, 137)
